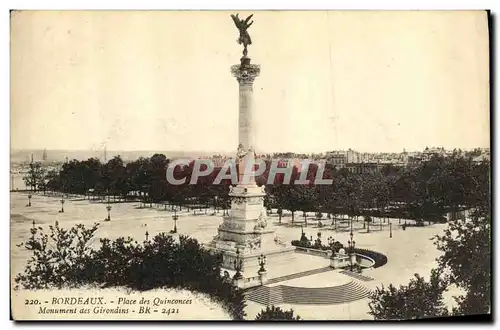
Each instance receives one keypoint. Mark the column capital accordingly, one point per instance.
(246, 73)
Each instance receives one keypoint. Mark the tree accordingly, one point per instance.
(53, 180)
(466, 261)
(306, 199)
(139, 174)
(292, 198)
(35, 178)
(114, 178)
(419, 299)
(274, 313)
(90, 174)
(367, 219)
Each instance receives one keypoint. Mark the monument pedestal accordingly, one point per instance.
(245, 230)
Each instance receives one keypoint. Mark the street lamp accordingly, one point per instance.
(108, 207)
(33, 230)
(262, 262)
(331, 243)
(62, 204)
(351, 244)
(390, 229)
(29, 200)
(175, 217)
(238, 265)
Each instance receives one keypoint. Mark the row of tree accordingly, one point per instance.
(424, 190)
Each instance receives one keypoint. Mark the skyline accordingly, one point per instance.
(132, 155)
(114, 63)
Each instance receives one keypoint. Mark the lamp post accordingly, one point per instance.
(62, 204)
(390, 229)
(262, 262)
(29, 200)
(108, 207)
(238, 265)
(331, 243)
(33, 230)
(62, 198)
(175, 217)
(351, 244)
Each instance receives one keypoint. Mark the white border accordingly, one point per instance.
(186, 4)
(256, 5)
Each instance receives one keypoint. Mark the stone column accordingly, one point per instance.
(334, 262)
(245, 74)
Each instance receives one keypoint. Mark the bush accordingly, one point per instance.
(64, 258)
(276, 314)
(304, 239)
(417, 300)
(304, 242)
(53, 265)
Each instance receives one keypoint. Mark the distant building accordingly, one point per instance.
(431, 152)
(336, 159)
(353, 156)
(404, 156)
(362, 168)
(481, 158)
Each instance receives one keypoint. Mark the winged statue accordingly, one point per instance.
(243, 25)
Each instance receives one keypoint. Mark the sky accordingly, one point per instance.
(371, 81)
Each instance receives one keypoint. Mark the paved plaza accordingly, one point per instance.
(409, 251)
